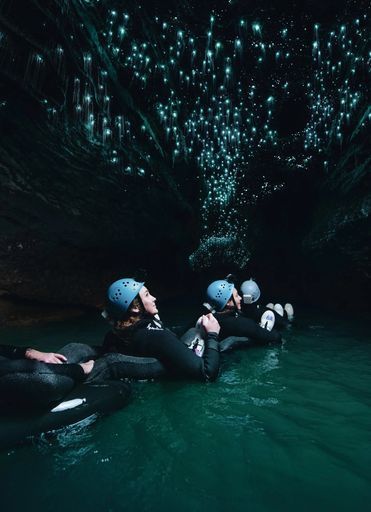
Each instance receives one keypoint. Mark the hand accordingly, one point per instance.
(199, 322)
(88, 366)
(210, 323)
(45, 357)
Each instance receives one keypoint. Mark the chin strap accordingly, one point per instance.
(236, 310)
(234, 302)
(209, 307)
(106, 316)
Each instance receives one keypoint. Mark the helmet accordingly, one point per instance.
(250, 291)
(121, 294)
(218, 293)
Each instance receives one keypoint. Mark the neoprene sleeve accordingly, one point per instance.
(176, 358)
(12, 352)
(231, 325)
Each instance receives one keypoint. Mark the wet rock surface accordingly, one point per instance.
(68, 226)
(78, 210)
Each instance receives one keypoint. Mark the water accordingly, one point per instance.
(284, 428)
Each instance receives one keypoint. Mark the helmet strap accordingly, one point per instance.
(234, 303)
(209, 307)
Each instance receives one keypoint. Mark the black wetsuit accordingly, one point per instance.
(149, 338)
(33, 382)
(12, 352)
(255, 311)
(235, 324)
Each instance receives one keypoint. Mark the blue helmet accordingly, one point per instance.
(250, 291)
(219, 293)
(120, 295)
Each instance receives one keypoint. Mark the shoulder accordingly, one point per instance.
(226, 316)
(153, 324)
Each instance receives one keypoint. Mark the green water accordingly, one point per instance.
(285, 428)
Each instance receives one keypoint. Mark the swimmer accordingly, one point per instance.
(30, 376)
(223, 299)
(138, 331)
(251, 308)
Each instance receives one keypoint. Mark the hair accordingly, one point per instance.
(131, 317)
(228, 308)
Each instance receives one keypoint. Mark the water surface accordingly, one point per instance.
(284, 428)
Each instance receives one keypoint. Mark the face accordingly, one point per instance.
(148, 301)
(237, 300)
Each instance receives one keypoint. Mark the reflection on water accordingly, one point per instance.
(68, 446)
(283, 428)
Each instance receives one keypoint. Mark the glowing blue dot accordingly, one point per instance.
(256, 28)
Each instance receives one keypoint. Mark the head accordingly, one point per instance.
(235, 301)
(148, 301)
(128, 300)
(250, 291)
(222, 296)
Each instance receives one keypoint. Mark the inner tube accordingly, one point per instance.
(233, 343)
(113, 365)
(120, 366)
(194, 340)
(87, 400)
(103, 391)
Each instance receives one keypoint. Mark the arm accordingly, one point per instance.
(177, 358)
(245, 327)
(14, 352)
(39, 371)
(44, 357)
(75, 371)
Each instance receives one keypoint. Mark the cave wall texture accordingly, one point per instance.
(187, 138)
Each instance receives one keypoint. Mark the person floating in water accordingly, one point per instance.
(29, 376)
(252, 308)
(138, 331)
(223, 299)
